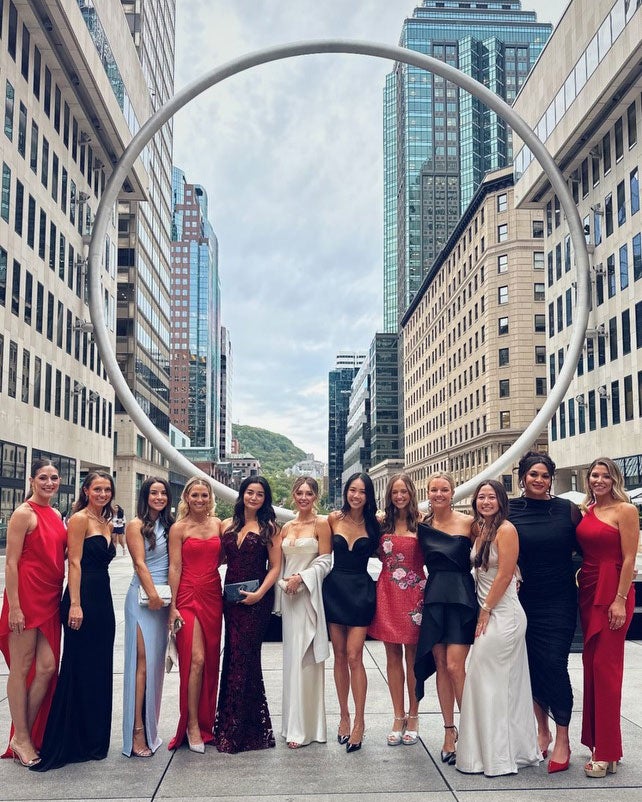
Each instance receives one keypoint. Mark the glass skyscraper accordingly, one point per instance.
(440, 141)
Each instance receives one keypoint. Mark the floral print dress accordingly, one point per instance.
(400, 590)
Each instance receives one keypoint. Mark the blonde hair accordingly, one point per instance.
(615, 474)
(183, 505)
(431, 478)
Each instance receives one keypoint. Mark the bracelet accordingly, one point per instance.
(486, 608)
(621, 596)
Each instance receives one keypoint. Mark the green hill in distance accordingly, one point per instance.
(274, 451)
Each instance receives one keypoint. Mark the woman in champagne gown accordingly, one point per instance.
(305, 542)
(194, 558)
(608, 536)
(146, 626)
(498, 731)
(30, 620)
(253, 552)
(79, 723)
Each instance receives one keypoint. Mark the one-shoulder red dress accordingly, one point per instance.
(41, 572)
(199, 598)
(603, 655)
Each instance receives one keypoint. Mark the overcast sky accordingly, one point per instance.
(290, 155)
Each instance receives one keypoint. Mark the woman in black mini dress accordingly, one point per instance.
(349, 598)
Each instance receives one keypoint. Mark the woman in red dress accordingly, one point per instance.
(197, 603)
(30, 620)
(608, 536)
(400, 598)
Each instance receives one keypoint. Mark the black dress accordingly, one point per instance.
(79, 723)
(242, 717)
(548, 594)
(349, 592)
(450, 603)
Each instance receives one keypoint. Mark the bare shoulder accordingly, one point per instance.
(323, 524)
(23, 514)
(507, 531)
(226, 524)
(627, 512)
(334, 517)
(464, 521)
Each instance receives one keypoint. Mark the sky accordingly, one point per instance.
(291, 157)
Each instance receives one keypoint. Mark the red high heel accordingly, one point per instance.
(554, 767)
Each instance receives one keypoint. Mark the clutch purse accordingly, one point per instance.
(164, 591)
(232, 592)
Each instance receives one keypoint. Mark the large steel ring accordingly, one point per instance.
(192, 90)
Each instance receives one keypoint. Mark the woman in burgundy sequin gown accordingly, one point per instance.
(252, 552)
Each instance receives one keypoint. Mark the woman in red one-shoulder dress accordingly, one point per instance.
(30, 619)
(608, 537)
(197, 602)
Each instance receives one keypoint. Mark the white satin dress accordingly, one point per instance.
(305, 643)
(498, 729)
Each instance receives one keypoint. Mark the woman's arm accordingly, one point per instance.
(274, 569)
(20, 524)
(136, 548)
(175, 568)
(507, 553)
(76, 531)
(628, 523)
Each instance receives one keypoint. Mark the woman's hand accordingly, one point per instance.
(155, 602)
(16, 620)
(251, 597)
(75, 618)
(293, 583)
(482, 622)
(174, 616)
(617, 613)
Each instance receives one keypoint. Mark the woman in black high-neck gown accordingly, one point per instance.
(548, 594)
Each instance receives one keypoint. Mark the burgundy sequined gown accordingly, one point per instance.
(243, 719)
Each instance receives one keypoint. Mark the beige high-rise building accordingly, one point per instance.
(584, 99)
(474, 352)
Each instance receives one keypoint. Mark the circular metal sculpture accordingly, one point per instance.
(400, 54)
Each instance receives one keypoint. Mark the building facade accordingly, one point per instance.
(74, 95)
(357, 448)
(584, 100)
(196, 317)
(474, 341)
(339, 384)
(440, 141)
(227, 378)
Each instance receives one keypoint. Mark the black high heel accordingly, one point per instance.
(342, 739)
(450, 757)
(354, 747)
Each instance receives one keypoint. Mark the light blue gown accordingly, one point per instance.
(153, 625)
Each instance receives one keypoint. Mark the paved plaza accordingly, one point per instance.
(321, 772)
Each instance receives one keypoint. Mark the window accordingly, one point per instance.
(634, 189)
(502, 263)
(50, 316)
(538, 260)
(540, 324)
(19, 210)
(12, 39)
(539, 291)
(504, 388)
(540, 386)
(47, 96)
(6, 192)
(615, 402)
(621, 204)
(28, 297)
(15, 288)
(608, 214)
(33, 153)
(22, 129)
(502, 202)
(624, 267)
(504, 356)
(610, 275)
(44, 167)
(502, 295)
(40, 295)
(626, 332)
(560, 320)
(540, 354)
(26, 360)
(619, 140)
(606, 152)
(631, 125)
(37, 373)
(8, 111)
(42, 240)
(538, 229)
(628, 397)
(551, 319)
(12, 386)
(591, 410)
(502, 326)
(507, 481)
(47, 387)
(37, 66)
(569, 307)
(504, 419)
(558, 260)
(502, 232)
(31, 222)
(613, 338)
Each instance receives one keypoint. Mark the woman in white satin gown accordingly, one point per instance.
(497, 727)
(306, 544)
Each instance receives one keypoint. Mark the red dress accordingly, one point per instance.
(400, 590)
(603, 655)
(199, 597)
(41, 571)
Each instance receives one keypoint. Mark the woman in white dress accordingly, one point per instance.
(306, 544)
(498, 730)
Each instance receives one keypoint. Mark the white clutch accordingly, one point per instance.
(164, 591)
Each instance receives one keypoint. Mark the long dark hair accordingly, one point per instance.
(265, 515)
(108, 510)
(148, 528)
(391, 513)
(369, 510)
(488, 530)
(36, 466)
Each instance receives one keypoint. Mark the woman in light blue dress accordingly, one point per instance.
(146, 627)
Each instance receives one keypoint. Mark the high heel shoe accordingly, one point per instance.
(354, 747)
(341, 738)
(145, 751)
(450, 757)
(554, 767)
(199, 747)
(600, 768)
(395, 736)
(20, 759)
(410, 737)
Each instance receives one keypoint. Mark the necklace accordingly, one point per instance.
(90, 514)
(357, 523)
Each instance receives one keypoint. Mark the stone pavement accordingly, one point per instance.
(322, 772)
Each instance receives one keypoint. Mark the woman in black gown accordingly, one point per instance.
(450, 604)
(79, 723)
(546, 529)
(253, 553)
(350, 598)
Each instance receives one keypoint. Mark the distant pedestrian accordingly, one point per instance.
(118, 522)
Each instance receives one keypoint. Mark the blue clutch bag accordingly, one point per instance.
(232, 592)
